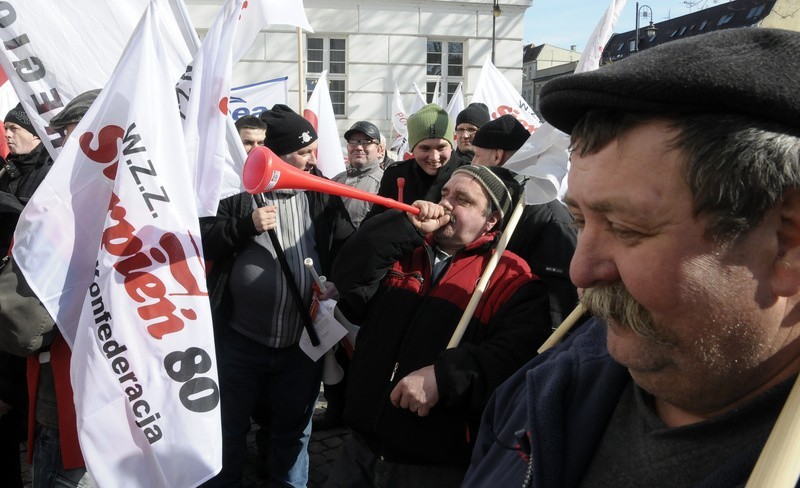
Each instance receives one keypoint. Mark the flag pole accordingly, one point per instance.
(300, 80)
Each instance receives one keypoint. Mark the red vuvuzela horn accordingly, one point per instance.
(264, 171)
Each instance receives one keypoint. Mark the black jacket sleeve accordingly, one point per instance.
(468, 374)
(229, 230)
(366, 257)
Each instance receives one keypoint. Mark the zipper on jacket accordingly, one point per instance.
(394, 372)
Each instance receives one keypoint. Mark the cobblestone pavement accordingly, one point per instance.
(322, 449)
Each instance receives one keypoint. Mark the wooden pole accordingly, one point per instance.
(301, 82)
(458, 334)
(778, 466)
(562, 329)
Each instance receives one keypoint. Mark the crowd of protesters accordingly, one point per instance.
(680, 232)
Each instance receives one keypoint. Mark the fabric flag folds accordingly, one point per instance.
(502, 98)
(545, 155)
(399, 117)
(51, 64)
(260, 13)
(319, 111)
(111, 245)
(456, 104)
(203, 94)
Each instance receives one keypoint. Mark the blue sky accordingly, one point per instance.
(566, 22)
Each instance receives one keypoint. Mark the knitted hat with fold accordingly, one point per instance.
(476, 114)
(430, 122)
(287, 131)
(18, 116)
(499, 183)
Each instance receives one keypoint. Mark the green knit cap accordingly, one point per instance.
(430, 122)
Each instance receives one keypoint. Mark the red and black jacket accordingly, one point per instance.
(384, 277)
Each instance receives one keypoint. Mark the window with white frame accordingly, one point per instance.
(328, 53)
(446, 66)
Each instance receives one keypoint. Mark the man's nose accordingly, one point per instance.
(593, 262)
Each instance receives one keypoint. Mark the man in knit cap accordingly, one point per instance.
(430, 137)
(468, 121)
(26, 166)
(685, 185)
(544, 236)
(256, 318)
(411, 402)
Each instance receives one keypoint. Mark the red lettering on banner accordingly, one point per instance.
(119, 239)
(506, 110)
(143, 286)
(106, 147)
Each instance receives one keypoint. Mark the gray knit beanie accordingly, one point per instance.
(499, 183)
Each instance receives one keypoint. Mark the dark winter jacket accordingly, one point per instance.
(232, 228)
(545, 238)
(22, 176)
(555, 411)
(384, 278)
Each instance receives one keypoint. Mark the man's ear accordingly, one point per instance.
(491, 221)
(786, 269)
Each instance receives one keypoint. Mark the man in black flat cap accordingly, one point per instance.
(256, 319)
(685, 188)
(544, 236)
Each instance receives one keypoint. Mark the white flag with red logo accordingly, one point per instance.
(319, 111)
(203, 95)
(500, 96)
(111, 246)
(399, 118)
(545, 155)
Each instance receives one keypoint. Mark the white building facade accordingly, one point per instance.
(369, 46)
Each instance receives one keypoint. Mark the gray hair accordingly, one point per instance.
(737, 167)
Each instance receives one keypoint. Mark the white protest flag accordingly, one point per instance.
(319, 111)
(500, 96)
(400, 143)
(203, 95)
(419, 101)
(260, 13)
(456, 104)
(258, 97)
(590, 58)
(60, 51)
(111, 245)
(437, 98)
(545, 155)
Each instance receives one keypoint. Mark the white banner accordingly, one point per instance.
(111, 245)
(319, 111)
(500, 96)
(545, 155)
(261, 13)
(456, 104)
(258, 97)
(419, 101)
(203, 95)
(49, 64)
(399, 118)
